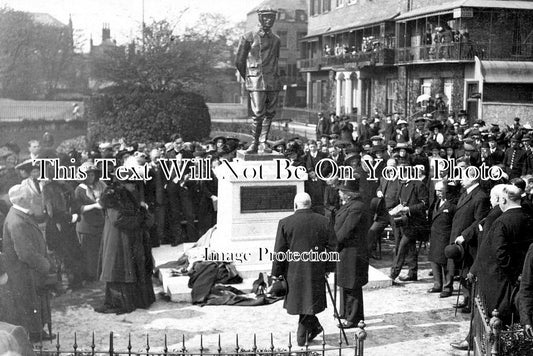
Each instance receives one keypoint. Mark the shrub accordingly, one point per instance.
(145, 116)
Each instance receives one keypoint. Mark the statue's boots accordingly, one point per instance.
(256, 133)
(265, 130)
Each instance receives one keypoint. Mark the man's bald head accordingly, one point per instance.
(302, 201)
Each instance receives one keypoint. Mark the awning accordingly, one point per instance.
(446, 8)
(506, 71)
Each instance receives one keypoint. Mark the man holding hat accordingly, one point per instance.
(257, 62)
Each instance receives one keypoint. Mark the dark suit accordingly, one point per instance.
(351, 226)
(154, 194)
(471, 209)
(413, 194)
(315, 187)
(391, 191)
(441, 226)
(302, 232)
(501, 258)
(525, 295)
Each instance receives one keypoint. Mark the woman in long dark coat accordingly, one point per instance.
(126, 257)
(27, 266)
(352, 222)
(91, 224)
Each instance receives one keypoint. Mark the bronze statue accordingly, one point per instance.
(257, 62)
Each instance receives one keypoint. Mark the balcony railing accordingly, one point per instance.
(383, 56)
(458, 51)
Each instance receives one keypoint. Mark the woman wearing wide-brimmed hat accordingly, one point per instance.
(91, 223)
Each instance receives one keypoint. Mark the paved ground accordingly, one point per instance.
(401, 320)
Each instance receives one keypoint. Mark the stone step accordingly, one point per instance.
(177, 288)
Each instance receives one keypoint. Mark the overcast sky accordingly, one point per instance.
(125, 16)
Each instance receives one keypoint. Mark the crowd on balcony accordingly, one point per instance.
(369, 44)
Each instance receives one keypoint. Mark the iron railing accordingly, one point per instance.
(486, 332)
(491, 338)
(462, 51)
(356, 347)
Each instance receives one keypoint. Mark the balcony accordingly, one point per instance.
(462, 52)
(379, 57)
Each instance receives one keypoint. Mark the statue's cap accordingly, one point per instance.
(266, 10)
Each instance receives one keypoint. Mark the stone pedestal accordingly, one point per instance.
(254, 193)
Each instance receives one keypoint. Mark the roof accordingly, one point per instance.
(282, 4)
(450, 6)
(46, 19)
(363, 20)
(507, 71)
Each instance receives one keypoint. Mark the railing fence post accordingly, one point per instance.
(360, 334)
(495, 324)
(111, 344)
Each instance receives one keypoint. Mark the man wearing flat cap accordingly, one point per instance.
(257, 62)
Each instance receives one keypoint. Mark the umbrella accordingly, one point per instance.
(423, 97)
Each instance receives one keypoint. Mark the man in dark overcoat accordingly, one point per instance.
(472, 207)
(441, 215)
(502, 256)
(304, 231)
(352, 222)
(26, 265)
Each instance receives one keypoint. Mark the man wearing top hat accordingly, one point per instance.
(257, 62)
(352, 222)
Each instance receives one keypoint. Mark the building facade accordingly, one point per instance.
(368, 56)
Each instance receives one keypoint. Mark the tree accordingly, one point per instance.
(165, 62)
(35, 58)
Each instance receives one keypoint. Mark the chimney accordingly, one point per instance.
(106, 32)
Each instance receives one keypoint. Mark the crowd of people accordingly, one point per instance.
(95, 229)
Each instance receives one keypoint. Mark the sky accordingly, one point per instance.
(125, 16)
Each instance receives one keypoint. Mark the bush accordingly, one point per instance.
(145, 116)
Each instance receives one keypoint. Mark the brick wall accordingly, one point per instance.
(504, 113)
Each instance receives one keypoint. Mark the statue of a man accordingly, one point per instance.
(257, 62)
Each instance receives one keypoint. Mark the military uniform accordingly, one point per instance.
(257, 63)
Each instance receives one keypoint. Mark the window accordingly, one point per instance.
(426, 87)
(425, 90)
(390, 96)
(282, 15)
(312, 7)
(300, 15)
(326, 5)
(283, 37)
(339, 3)
(448, 91)
(352, 1)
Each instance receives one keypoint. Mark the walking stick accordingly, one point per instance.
(335, 293)
(335, 310)
(460, 285)
(472, 311)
